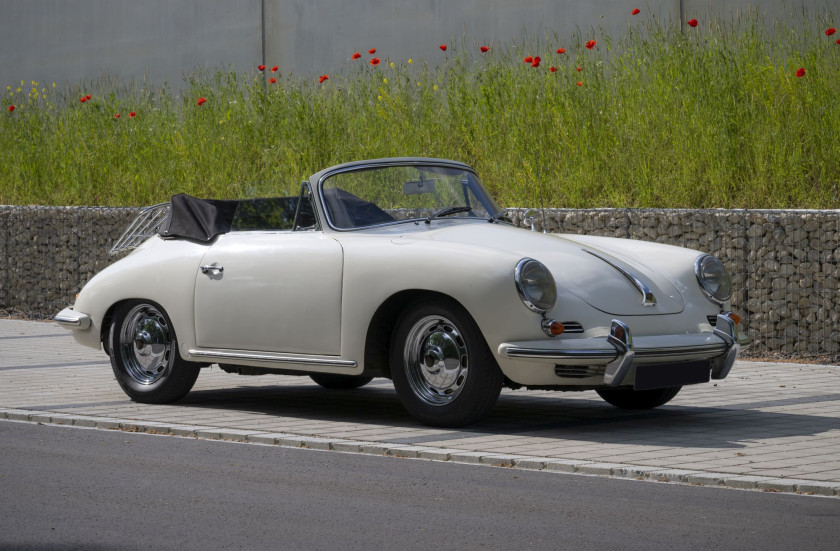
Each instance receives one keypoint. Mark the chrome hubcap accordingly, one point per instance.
(145, 344)
(436, 360)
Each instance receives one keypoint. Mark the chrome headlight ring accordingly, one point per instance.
(713, 278)
(535, 285)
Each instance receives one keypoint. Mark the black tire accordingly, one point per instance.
(443, 371)
(144, 355)
(339, 382)
(627, 398)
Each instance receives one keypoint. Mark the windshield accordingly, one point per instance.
(392, 194)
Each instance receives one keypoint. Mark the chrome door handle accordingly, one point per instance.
(212, 268)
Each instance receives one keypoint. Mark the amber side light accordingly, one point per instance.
(556, 328)
(736, 319)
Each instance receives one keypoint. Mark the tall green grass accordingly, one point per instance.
(710, 117)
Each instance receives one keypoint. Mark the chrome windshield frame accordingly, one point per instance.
(322, 176)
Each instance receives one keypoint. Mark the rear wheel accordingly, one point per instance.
(443, 371)
(144, 355)
(627, 398)
(328, 380)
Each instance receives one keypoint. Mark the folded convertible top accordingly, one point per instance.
(199, 219)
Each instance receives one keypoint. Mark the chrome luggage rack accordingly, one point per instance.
(145, 224)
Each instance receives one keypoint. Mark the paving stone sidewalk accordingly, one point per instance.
(768, 426)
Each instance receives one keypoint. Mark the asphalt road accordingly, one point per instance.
(64, 487)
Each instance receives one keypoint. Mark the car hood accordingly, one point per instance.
(599, 271)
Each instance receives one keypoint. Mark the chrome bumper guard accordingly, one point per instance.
(624, 354)
(71, 319)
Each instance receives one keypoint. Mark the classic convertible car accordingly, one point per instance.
(402, 268)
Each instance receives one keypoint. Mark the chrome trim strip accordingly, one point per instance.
(716, 349)
(621, 338)
(307, 360)
(606, 354)
(648, 299)
(727, 330)
(69, 319)
(554, 354)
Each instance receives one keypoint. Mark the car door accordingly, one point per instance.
(272, 291)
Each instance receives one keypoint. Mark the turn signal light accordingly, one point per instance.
(736, 319)
(552, 328)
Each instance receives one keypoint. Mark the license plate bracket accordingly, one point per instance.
(672, 374)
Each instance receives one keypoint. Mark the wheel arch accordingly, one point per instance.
(383, 322)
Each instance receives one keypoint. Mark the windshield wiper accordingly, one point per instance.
(446, 211)
(498, 216)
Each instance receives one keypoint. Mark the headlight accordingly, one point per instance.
(535, 285)
(713, 278)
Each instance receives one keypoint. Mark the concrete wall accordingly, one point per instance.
(785, 265)
(77, 40)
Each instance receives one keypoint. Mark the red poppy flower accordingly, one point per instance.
(636, 11)
(442, 47)
(800, 72)
(692, 22)
(838, 41)
(261, 67)
(535, 63)
(374, 61)
(579, 83)
(272, 80)
(552, 69)
(117, 116)
(11, 108)
(561, 50)
(830, 31)
(322, 78)
(275, 69)
(528, 59)
(132, 114)
(484, 49)
(83, 99)
(372, 51)
(357, 55)
(579, 69)
(590, 44)
(201, 101)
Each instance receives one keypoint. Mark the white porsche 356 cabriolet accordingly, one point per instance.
(407, 269)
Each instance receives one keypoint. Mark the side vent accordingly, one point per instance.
(712, 320)
(575, 371)
(574, 327)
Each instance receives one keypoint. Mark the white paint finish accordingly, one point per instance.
(279, 292)
(160, 271)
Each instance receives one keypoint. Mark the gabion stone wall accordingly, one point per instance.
(785, 265)
(48, 253)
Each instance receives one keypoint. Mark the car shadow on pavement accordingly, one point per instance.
(544, 415)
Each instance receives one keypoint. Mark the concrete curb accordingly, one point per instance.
(522, 462)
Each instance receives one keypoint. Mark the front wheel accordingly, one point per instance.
(144, 355)
(627, 398)
(443, 371)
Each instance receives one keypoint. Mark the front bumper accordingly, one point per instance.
(71, 319)
(619, 351)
